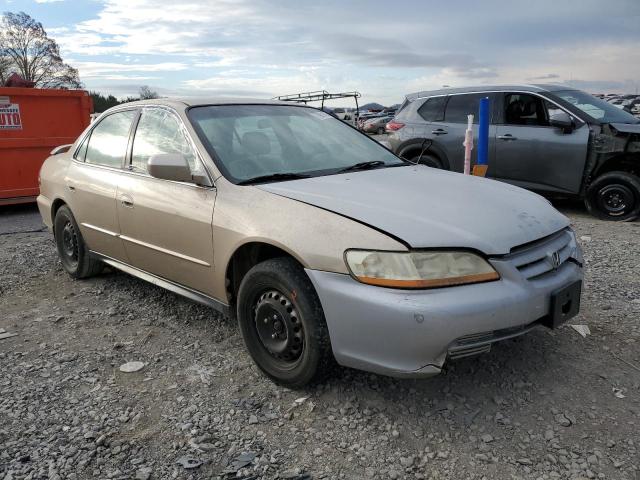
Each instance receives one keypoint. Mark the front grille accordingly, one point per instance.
(541, 257)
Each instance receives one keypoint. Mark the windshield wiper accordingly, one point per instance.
(363, 166)
(273, 176)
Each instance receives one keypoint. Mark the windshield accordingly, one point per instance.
(595, 108)
(252, 141)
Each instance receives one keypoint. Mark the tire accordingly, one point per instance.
(614, 196)
(282, 323)
(73, 252)
(429, 160)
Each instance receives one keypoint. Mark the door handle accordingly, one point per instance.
(126, 201)
(506, 136)
(439, 131)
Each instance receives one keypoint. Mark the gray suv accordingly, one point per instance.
(547, 138)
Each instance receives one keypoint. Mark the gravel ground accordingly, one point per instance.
(551, 404)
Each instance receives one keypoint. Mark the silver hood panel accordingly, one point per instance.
(427, 208)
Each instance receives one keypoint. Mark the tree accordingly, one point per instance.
(26, 49)
(146, 93)
(102, 102)
(5, 68)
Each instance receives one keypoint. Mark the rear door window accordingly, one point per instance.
(459, 106)
(433, 109)
(108, 142)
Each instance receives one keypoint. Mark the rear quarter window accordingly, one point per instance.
(82, 151)
(408, 111)
(433, 109)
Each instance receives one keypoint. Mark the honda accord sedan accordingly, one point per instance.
(324, 245)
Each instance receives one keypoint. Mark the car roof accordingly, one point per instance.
(490, 88)
(199, 101)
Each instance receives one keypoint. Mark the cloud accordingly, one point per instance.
(109, 69)
(270, 47)
(546, 76)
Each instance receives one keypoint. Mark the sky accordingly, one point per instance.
(383, 49)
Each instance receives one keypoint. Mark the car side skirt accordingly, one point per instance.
(187, 292)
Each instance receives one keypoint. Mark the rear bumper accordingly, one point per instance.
(406, 333)
(44, 206)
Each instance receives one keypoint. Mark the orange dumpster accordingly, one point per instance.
(33, 122)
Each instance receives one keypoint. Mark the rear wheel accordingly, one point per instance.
(614, 196)
(73, 252)
(283, 324)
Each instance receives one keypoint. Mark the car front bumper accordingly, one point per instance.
(411, 333)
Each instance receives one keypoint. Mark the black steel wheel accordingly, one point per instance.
(282, 323)
(73, 253)
(614, 196)
(278, 327)
(69, 244)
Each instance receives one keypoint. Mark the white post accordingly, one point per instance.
(468, 145)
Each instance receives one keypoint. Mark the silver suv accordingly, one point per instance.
(547, 138)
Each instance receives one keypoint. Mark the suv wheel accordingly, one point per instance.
(73, 252)
(282, 323)
(614, 196)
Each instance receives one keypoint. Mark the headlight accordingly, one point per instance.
(419, 269)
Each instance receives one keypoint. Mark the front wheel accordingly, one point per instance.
(614, 196)
(282, 323)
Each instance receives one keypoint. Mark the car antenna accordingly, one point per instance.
(424, 149)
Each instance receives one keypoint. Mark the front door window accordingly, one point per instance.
(158, 132)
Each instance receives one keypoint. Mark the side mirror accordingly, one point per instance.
(563, 121)
(170, 166)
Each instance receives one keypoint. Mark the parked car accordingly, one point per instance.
(365, 117)
(319, 241)
(376, 125)
(345, 115)
(546, 138)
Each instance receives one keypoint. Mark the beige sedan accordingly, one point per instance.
(323, 244)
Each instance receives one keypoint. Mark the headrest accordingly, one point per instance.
(529, 108)
(256, 143)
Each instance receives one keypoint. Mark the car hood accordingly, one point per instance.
(425, 207)
(626, 127)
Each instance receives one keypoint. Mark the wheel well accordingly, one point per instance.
(243, 259)
(415, 147)
(623, 163)
(55, 206)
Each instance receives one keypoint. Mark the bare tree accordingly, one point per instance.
(5, 68)
(32, 54)
(146, 93)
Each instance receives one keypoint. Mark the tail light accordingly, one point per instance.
(392, 126)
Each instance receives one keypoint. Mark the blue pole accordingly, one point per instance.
(483, 131)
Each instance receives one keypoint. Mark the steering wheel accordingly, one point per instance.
(245, 167)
